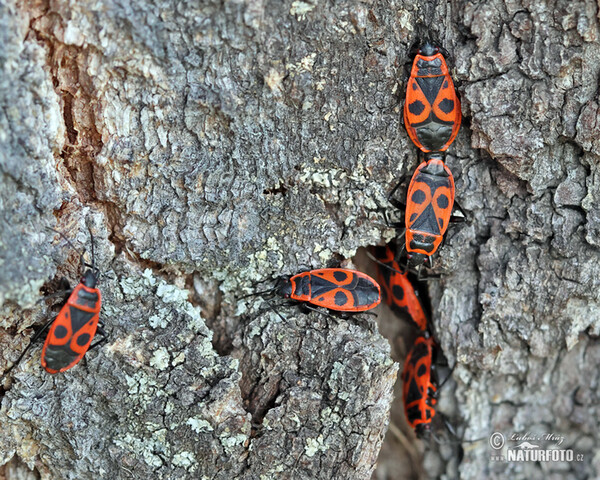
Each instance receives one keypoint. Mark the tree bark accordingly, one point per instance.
(212, 147)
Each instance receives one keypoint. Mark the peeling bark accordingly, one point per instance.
(211, 147)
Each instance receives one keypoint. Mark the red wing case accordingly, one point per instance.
(73, 330)
(336, 289)
(429, 205)
(418, 387)
(397, 290)
(432, 113)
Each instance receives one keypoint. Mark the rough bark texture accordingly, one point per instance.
(209, 147)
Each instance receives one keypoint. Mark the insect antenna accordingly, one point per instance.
(370, 255)
(94, 268)
(81, 252)
(262, 292)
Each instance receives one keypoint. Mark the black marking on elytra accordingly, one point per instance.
(427, 222)
(415, 86)
(60, 331)
(79, 318)
(422, 370)
(416, 108)
(340, 298)
(398, 292)
(83, 339)
(363, 291)
(414, 393)
(418, 197)
(446, 105)
(443, 201)
(445, 85)
(430, 86)
(428, 413)
(413, 413)
(419, 351)
(340, 276)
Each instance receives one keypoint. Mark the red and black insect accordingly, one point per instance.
(420, 386)
(398, 292)
(429, 205)
(333, 288)
(432, 113)
(72, 331)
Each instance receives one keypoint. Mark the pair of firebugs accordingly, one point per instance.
(418, 376)
(432, 118)
(72, 331)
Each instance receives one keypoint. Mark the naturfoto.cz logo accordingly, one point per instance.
(528, 448)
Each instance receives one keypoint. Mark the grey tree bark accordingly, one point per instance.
(212, 145)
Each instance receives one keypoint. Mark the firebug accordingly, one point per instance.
(420, 386)
(333, 288)
(432, 114)
(398, 292)
(72, 331)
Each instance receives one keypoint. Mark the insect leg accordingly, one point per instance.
(37, 335)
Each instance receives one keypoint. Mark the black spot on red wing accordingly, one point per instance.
(415, 86)
(445, 85)
(60, 332)
(443, 201)
(421, 371)
(416, 107)
(83, 339)
(418, 197)
(398, 292)
(446, 105)
(441, 222)
(340, 298)
(413, 393)
(413, 414)
(428, 413)
(340, 276)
